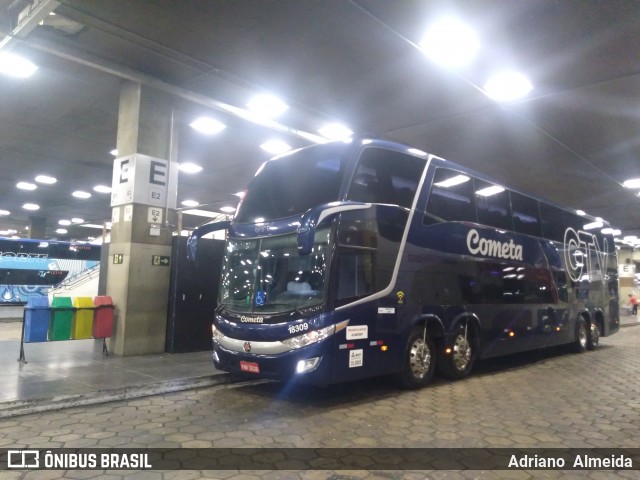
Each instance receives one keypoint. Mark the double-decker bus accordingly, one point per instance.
(33, 267)
(356, 259)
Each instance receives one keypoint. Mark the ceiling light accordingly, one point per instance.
(114, 152)
(190, 203)
(228, 209)
(582, 213)
(64, 222)
(507, 86)
(592, 225)
(267, 105)
(5, 212)
(189, 167)
(102, 189)
(335, 131)
(207, 125)
(81, 194)
(96, 226)
(46, 179)
(62, 231)
(453, 181)
(275, 146)
(31, 206)
(77, 220)
(632, 183)
(450, 43)
(489, 191)
(201, 213)
(26, 186)
(16, 66)
(239, 194)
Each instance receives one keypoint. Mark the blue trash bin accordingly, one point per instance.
(36, 319)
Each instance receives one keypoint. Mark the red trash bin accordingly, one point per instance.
(103, 317)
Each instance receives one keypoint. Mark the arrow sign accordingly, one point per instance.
(160, 260)
(154, 215)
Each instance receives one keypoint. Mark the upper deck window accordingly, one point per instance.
(452, 198)
(293, 184)
(385, 176)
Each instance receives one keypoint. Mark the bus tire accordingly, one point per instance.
(582, 335)
(593, 339)
(419, 362)
(458, 364)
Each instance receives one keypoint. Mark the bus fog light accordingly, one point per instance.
(307, 365)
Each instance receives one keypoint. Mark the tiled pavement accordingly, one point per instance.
(551, 400)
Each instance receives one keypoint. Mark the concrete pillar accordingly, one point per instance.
(143, 208)
(37, 227)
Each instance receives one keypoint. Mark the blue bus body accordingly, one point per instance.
(370, 260)
(33, 267)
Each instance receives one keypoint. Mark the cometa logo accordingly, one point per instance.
(492, 248)
(244, 319)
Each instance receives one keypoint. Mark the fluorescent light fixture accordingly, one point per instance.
(582, 213)
(5, 212)
(114, 152)
(95, 225)
(77, 220)
(81, 194)
(207, 125)
(632, 183)
(227, 209)
(62, 231)
(201, 213)
(46, 179)
(26, 186)
(102, 189)
(16, 66)
(489, 191)
(450, 42)
(31, 206)
(507, 86)
(453, 181)
(64, 223)
(239, 194)
(267, 105)
(189, 167)
(335, 131)
(190, 203)
(275, 146)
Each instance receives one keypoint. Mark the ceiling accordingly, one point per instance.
(573, 140)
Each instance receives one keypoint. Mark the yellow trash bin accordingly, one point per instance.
(82, 318)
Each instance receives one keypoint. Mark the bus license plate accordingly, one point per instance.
(251, 367)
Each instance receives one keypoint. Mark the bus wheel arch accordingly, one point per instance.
(456, 360)
(419, 358)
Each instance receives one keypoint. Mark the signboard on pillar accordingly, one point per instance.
(144, 180)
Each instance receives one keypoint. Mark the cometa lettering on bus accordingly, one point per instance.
(492, 248)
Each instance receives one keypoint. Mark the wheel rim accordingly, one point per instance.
(582, 334)
(461, 353)
(419, 358)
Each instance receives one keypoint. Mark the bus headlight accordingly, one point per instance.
(314, 336)
(215, 333)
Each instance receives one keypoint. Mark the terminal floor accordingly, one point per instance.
(75, 372)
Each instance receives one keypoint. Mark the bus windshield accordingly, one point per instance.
(268, 276)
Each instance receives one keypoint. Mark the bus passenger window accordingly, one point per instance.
(384, 176)
(451, 198)
(355, 274)
(526, 218)
(492, 202)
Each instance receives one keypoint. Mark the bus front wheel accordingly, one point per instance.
(419, 361)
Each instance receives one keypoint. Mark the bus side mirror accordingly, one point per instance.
(192, 242)
(315, 216)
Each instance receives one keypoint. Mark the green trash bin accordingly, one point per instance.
(61, 318)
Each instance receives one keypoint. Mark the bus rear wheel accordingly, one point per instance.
(419, 361)
(458, 363)
(593, 339)
(581, 340)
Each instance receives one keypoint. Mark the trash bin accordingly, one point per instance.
(103, 317)
(61, 318)
(82, 318)
(36, 319)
